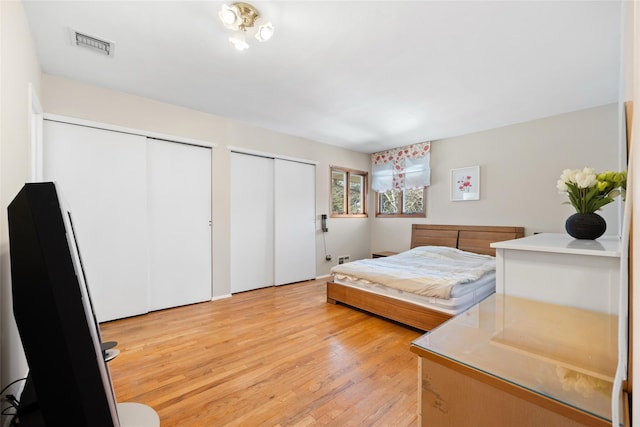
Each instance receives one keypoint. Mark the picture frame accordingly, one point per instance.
(465, 184)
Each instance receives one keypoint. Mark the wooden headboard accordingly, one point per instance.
(471, 238)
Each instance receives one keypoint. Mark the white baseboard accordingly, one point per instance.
(215, 298)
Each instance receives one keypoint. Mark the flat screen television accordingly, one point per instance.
(69, 381)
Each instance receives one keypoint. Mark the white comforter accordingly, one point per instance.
(426, 270)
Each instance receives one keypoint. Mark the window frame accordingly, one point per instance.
(365, 192)
(401, 214)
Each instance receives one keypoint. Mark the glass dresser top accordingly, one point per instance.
(564, 353)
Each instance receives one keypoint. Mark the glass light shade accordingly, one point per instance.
(239, 42)
(229, 16)
(264, 32)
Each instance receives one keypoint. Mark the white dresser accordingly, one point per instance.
(543, 351)
(558, 269)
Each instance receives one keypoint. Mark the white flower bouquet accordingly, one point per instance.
(589, 191)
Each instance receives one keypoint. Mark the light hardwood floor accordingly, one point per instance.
(279, 356)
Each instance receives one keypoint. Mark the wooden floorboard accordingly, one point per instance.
(279, 356)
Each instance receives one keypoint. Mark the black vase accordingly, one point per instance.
(588, 226)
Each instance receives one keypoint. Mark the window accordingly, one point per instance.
(397, 203)
(400, 178)
(348, 193)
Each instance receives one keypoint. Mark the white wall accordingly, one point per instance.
(347, 236)
(632, 92)
(519, 167)
(19, 69)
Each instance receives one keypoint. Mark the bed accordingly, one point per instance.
(424, 312)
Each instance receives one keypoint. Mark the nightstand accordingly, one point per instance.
(383, 254)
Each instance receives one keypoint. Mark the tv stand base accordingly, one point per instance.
(137, 415)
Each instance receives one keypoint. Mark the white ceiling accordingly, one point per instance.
(366, 75)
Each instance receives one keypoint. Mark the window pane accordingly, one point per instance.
(356, 196)
(348, 192)
(389, 202)
(413, 201)
(338, 179)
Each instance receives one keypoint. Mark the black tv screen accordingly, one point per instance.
(54, 315)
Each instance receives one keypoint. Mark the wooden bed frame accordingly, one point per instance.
(471, 238)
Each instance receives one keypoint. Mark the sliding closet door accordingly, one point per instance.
(179, 204)
(251, 222)
(295, 244)
(100, 177)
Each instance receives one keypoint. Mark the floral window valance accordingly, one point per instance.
(401, 168)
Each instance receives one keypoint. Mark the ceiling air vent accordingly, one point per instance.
(94, 43)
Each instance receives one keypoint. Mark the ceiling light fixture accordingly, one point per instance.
(246, 20)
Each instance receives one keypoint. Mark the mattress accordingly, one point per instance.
(430, 271)
(462, 296)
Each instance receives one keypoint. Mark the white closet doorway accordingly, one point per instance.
(141, 210)
(99, 175)
(251, 222)
(272, 221)
(179, 202)
(295, 229)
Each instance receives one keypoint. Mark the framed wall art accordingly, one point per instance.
(465, 183)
